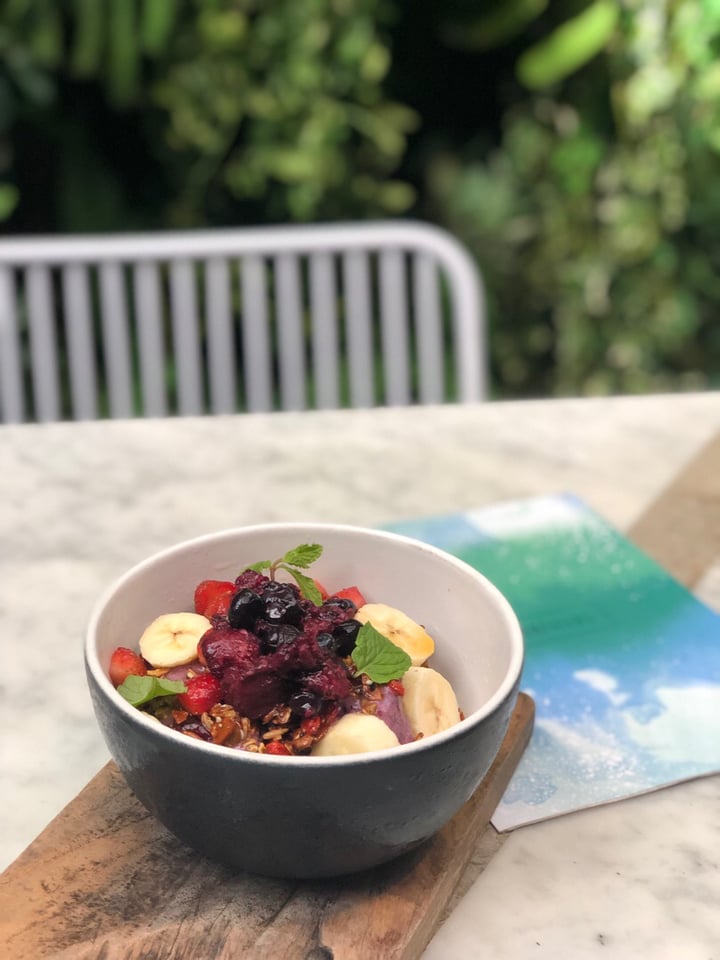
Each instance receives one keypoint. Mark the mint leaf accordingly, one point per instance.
(307, 585)
(303, 555)
(259, 566)
(140, 690)
(377, 657)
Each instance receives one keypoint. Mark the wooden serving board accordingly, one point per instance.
(105, 880)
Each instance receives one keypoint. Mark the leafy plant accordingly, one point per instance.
(192, 112)
(594, 217)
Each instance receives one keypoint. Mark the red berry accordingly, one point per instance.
(212, 597)
(323, 592)
(125, 663)
(311, 725)
(202, 692)
(277, 748)
(351, 593)
(397, 688)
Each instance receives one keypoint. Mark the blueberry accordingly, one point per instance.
(281, 591)
(305, 703)
(345, 635)
(245, 607)
(327, 641)
(278, 635)
(342, 603)
(281, 610)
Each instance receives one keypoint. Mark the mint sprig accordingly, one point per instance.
(377, 657)
(139, 690)
(302, 556)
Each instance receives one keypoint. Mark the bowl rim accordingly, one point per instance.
(151, 725)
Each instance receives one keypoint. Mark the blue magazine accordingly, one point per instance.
(622, 661)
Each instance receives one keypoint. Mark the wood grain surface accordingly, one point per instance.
(106, 881)
(681, 528)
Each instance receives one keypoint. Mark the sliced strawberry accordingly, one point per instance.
(323, 592)
(352, 593)
(202, 692)
(279, 749)
(212, 597)
(125, 663)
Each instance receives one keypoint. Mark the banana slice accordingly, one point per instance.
(429, 701)
(355, 733)
(172, 639)
(399, 629)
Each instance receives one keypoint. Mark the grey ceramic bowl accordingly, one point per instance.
(305, 817)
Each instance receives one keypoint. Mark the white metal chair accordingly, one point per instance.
(245, 319)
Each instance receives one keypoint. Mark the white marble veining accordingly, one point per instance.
(79, 503)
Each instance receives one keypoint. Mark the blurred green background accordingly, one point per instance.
(573, 146)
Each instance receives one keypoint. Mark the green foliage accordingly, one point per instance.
(569, 47)
(595, 216)
(234, 110)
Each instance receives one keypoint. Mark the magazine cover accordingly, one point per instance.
(622, 661)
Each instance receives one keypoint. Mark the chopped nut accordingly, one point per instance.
(276, 733)
(222, 729)
(279, 715)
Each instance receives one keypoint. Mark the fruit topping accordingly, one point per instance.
(281, 604)
(355, 733)
(212, 597)
(400, 629)
(304, 703)
(275, 636)
(255, 691)
(252, 580)
(245, 608)
(352, 594)
(429, 701)
(277, 666)
(201, 693)
(124, 663)
(345, 636)
(172, 639)
(223, 646)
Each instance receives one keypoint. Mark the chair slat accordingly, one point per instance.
(186, 342)
(12, 395)
(116, 339)
(256, 336)
(222, 380)
(429, 329)
(356, 283)
(150, 339)
(43, 344)
(80, 342)
(402, 298)
(394, 328)
(291, 346)
(325, 350)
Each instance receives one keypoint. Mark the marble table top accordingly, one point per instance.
(79, 503)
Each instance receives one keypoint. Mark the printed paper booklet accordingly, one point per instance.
(622, 661)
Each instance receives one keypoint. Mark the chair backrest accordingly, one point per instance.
(385, 313)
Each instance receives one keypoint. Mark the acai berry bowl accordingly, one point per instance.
(303, 700)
